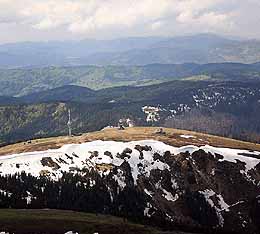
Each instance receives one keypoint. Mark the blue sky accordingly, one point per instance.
(37, 20)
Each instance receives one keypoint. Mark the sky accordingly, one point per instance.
(43, 20)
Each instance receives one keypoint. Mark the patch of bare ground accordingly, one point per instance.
(172, 137)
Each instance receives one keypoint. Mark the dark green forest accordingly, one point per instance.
(23, 81)
(224, 108)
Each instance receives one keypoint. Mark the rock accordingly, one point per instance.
(125, 154)
(141, 148)
(109, 154)
(48, 162)
(127, 151)
(156, 156)
(45, 173)
(93, 154)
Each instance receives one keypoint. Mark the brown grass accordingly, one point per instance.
(172, 137)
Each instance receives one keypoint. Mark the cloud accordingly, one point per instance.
(141, 17)
(84, 16)
(9, 12)
(157, 25)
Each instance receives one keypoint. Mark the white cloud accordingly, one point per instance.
(84, 16)
(157, 25)
(141, 17)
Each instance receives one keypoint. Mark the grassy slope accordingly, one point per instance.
(172, 137)
(59, 222)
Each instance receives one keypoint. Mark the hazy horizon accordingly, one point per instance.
(61, 20)
(161, 38)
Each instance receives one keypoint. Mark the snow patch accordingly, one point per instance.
(5, 193)
(221, 206)
(148, 192)
(107, 127)
(147, 210)
(187, 136)
(174, 184)
(169, 197)
(120, 178)
(79, 156)
(29, 198)
(91, 155)
(152, 113)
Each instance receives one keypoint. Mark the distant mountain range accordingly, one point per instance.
(203, 48)
(24, 81)
(153, 81)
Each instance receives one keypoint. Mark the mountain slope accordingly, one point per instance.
(5, 100)
(58, 53)
(202, 48)
(61, 94)
(166, 184)
(222, 108)
(20, 82)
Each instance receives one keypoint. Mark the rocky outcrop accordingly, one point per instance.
(48, 162)
(194, 188)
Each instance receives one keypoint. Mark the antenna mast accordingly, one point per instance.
(69, 124)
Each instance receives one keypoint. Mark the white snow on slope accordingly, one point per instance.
(168, 196)
(230, 155)
(187, 136)
(220, 207)
(5, 194)
(108, 127)
(152, 113)
(79, 156)
(148, 192)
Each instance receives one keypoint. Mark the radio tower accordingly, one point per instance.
(69, 124)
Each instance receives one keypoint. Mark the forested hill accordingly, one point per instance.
(226, 108)
(19, 82)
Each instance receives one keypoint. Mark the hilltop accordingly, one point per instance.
(174, 137)
(159, 178)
